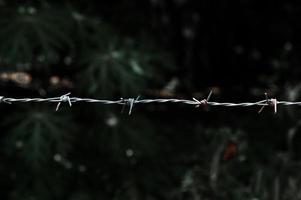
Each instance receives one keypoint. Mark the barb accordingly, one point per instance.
(133, 101)
(130, 102)
(202, 102)
(269, 102)
(3, 99)
(64, 98)
(274, 102)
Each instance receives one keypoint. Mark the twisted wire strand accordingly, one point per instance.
(131, 101)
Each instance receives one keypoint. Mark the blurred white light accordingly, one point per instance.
(31, 10)
(112, 121)
(82, 168)
(68, 165)
(68, 60)
(19, 144)
(239, 49)
(129, 152)
(57, 158)
(288, 46)
(188, 33)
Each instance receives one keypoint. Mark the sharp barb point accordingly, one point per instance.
(209, 96)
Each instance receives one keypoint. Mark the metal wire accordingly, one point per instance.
(132, 101)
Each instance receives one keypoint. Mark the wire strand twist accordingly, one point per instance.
(66, 98)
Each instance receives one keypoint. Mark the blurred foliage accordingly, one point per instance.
(118, 66)
(113, 49)
(30, 35)
(38, 135)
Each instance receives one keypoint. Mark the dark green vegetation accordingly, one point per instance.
(156, 48)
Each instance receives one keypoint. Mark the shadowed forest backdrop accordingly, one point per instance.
(156, 49)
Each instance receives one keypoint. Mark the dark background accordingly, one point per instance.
(181, 49)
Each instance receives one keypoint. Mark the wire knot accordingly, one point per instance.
(3, 100)
(203, 102)
(269, 102)
(64, 98)
(129, 102)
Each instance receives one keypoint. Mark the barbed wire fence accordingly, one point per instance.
(130, 102)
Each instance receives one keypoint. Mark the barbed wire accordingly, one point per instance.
(66, 98)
